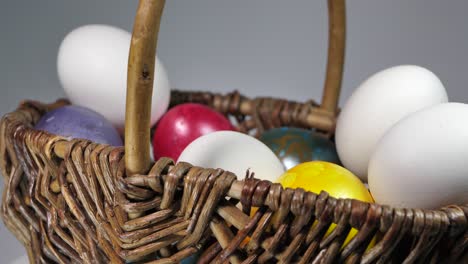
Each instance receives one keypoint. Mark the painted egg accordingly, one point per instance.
(297, 145)
(316, 176)
(190, 260)
(183, 124)
(92, 68)
(379, 103)
(78, 122)
(235, 152)
(421, 162)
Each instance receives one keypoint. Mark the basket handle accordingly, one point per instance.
(336, 54)
(140, 76)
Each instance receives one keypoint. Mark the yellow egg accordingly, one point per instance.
(316, 176)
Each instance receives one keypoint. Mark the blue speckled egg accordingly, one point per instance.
(296, 145)
(78, 122)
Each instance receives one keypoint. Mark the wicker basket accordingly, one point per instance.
(75, 201)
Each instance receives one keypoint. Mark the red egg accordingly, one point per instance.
(183, 124)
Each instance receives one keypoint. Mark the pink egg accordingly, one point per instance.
(183, 124)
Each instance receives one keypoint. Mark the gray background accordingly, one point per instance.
(261, 47)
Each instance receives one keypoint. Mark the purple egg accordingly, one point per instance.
(78, 122)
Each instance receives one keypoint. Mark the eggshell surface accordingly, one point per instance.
(376, 105)
(422, 161)
(296, 145)
(92, 68)
(317, 176)
(183, 124)
(235, 152)
(78, 122)
(191, 259)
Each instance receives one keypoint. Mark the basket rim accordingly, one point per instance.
(17, 128)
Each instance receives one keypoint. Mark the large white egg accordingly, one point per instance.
(234, 152)
(421, 162)
(376, 105)
(92, 68)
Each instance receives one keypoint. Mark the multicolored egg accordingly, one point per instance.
(297, 145)
(183, 124)
(78, 122)
(316, 176)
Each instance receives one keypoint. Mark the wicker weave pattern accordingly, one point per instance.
(75, 204)
(256, 115)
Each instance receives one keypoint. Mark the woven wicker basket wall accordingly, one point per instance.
(75, 201)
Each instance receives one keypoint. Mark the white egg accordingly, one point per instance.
(92, 68)
(421, 162)
(234, 152)
(376, 105)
